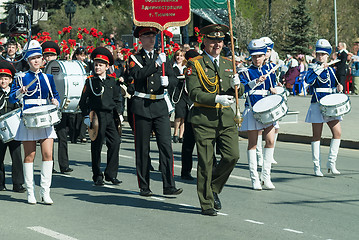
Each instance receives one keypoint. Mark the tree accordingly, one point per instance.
(300, 35)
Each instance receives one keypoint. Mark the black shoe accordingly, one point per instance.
(175, 139)
(114, 181)
(99, 182)
(146, 192)
(66, 170)
(187, 177)
(217, 202)
(2, 188)
(180, 140)
(152, 168)
(209, 212)
(54, 171)
(172, 191)
(18, 188)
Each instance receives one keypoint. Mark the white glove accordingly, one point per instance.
(164, 81)
(87, 121)
(225, 100)
(161, 59)
(235, 80)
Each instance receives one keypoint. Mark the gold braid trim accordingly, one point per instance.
(202, 75)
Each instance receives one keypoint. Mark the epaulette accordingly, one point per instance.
(90, 76)
(196, 58)
(20, 74)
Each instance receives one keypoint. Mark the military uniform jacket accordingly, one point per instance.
(204, 93)
(147, 80)
(100, 95)
(5, 105)
(318, 77)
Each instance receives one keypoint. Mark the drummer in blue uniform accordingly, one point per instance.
(41, 92)
(7, 72)
(258, 87)
(322, 78)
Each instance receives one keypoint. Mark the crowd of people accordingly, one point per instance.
(198, 85)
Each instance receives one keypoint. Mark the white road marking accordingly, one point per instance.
(157, 198)
(291, 230)
(223, 214)
(50, 233)
(186, 205)
(252, 221)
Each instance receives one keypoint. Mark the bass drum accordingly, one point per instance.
(69, 77)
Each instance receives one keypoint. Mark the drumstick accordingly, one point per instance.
(26, 87)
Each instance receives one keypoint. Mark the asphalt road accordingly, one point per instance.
(301, 207)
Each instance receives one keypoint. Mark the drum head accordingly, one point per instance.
(267, 103)
(62, 70)
(38, 109)
(333, 99)
(280, 90)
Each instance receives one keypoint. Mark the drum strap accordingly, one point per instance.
(48, 85)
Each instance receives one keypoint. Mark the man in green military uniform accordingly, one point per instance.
(211, 81)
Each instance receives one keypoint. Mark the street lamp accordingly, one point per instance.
(70, 9)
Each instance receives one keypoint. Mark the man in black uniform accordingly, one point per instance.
(102, 95)
(151, 111)
(7, 72)
(50, 51)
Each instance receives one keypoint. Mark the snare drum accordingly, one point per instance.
(69, 77)
(9, 123)
(335, 105)
(270, 109)
(41, 116)
(283, 92)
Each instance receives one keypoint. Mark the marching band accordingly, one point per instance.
(43, 103)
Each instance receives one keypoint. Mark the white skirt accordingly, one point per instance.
(314, 115)
(250, 123)
(34, 134)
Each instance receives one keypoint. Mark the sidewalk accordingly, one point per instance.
(301, 132)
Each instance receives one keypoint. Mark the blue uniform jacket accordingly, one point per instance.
(318, 77)
(38, 90)
(249, 77)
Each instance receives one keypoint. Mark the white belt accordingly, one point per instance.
(325, 90)
(258, 92)
(149, 96)
(35, 101)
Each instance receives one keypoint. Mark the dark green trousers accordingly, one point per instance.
(208, 181)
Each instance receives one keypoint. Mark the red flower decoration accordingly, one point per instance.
(79, 29)
(59, 32)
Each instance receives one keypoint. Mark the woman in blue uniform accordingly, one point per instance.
(257, 86)
(322, 78)
(41, 92)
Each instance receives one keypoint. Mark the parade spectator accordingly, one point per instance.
(292, 73)
(355, 67)
(12, 56)
(341, 67)
(178, 97)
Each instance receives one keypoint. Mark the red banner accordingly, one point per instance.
(161, 13)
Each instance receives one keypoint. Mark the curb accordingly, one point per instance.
(287, 137)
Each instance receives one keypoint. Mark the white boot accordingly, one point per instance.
(316, 158)
(259, 150)
(333, 153)
(45, 183)
(267, 159)
(275, 141)
(252, 164)
(29, 182)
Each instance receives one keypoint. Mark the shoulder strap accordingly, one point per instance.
(136, 61)
(48, 84)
